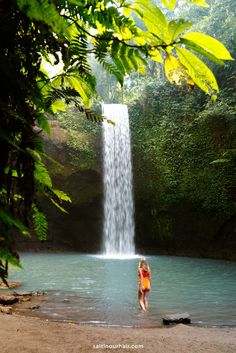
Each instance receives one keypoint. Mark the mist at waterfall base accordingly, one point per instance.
(94, 290)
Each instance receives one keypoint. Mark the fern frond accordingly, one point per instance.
(41, 175)
(40, 223)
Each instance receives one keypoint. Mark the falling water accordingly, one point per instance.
(118, 226)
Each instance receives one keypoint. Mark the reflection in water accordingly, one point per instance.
(85, 288)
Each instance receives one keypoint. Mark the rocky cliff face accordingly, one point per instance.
(185, 231)
(80, 229)
(182, 230)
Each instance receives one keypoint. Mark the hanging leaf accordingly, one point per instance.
(7, 255)
(201, 51)
(61, 195)
(211, 45)
(57, 81)
(58, 106)
(174, 70)
(44, 124)
(155, 55)
(8, 219)
(170, 4)
(58, 206)
(127, 11)
(176, 27)
(156, 22)
(46, 12)
(198, 71)
(199, 3)
(76, 83)
(123, 55)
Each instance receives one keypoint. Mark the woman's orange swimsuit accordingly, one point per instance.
(144, 280)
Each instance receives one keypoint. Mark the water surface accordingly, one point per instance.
(99, 290)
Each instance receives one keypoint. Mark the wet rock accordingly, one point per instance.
(8, 299)
(183, 318)
(6, 309)
(34, 307)
(24, 299)
(39, 293)
(22, 294)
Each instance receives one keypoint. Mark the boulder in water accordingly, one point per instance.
(183, 318)
(23, 294)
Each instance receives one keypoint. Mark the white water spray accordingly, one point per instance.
(118, 226)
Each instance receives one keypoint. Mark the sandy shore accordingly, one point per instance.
(19, 334)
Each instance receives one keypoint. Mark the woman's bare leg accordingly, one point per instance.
(141, 300)
(145, 299)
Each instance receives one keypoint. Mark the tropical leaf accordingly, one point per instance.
(199, 3)
(10, 220)
(209, 44)
(155, 55)
(7, 255)
(198, 71)
(201, 51)
(156, 22)
(58, 206)
(77, 83)
(45, 11)
(58, 105)
(43, 123)
(175, 71)
(61, 195)
(176, 27)
(170, 4)
(116, 59)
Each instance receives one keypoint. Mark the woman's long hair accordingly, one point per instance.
(144, 265)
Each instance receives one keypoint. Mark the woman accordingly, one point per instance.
(144, 283)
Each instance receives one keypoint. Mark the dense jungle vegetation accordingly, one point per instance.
(123, 37)
(183, 146)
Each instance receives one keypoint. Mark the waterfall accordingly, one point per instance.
(118, 224)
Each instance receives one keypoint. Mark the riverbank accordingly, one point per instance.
(34, 335)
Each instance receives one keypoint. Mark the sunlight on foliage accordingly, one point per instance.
(122, 36)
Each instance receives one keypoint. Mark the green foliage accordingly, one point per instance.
(82, 137)
(8, 220)
(34, 33)
(39, 223)
(176, 149)
(183, 144)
